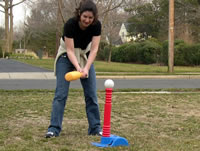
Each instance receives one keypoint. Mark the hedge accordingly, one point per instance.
(184, 54)
(145, 52)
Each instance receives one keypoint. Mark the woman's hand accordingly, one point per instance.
(79, 69)
(84, 73)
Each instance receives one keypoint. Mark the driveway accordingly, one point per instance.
(9, 65)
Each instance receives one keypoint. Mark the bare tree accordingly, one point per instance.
(8, 7)
(6, 38)
(109, 12)
(115, 19)
(64, 9)
(11, 28)
(106, 7)
(60, 22)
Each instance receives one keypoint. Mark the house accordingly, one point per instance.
(124, 34)
(24, 51)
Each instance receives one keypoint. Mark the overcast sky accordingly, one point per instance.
(18, 13)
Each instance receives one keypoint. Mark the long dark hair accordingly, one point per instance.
(86, 5)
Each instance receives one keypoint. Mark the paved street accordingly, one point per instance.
(16, 75)
(119, 84)
(9, 65)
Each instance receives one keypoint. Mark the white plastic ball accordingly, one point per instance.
(109, 83)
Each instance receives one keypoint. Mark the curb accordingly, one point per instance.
(28, 75)
(152, 77)
(50, 76)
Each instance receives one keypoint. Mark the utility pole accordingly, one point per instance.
(171, 37)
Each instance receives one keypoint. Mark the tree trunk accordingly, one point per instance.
(11, 28)
(105, 18)
(6, 26)
(3, 48)
(110, 49)
(8, 46)
(110, 53)
(60, 21)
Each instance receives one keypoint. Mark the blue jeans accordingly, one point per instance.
(63, 66)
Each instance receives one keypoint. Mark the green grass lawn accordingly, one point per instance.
(150, 122)
(116, 68)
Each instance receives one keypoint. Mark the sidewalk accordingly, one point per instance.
(50, 76)
(12, 69)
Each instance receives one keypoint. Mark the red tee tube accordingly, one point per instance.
(107, 112)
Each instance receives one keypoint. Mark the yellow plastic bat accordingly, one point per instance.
(73, 75)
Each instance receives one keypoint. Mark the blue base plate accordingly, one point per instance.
(111, 141)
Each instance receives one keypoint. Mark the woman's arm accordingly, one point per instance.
(69, 43)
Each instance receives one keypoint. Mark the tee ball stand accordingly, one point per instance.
(107, 139)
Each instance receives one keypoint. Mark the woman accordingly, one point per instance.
(81, 36)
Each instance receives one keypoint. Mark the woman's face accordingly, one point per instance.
(86, 19)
